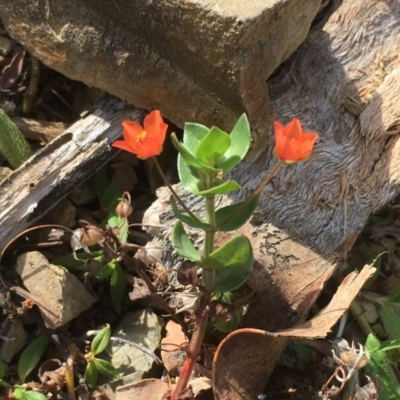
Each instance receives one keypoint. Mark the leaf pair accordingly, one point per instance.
(232, 262)
(97, 365)
(207, 153)
(227, 218)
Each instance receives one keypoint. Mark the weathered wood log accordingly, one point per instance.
(343, 82)
(67, 161)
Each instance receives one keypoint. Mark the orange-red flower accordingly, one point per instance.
(146, 141)
(291, 143)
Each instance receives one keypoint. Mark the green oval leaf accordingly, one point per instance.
(193, 134)
(189, 177)
(240, 144)
(213, 146)
(105, 271)
(188, 219)
(20, 393)
(232, 217)
(31, 356)
(182, 243)
(106, 368)
(228, 279)
(228, 186)
(13, 145)
(121, 226)
(190, 158)
(391, 320)
(100, 341)
(118, 282)
(379, 366)
(91, 374)
(233, 253)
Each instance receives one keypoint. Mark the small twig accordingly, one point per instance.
(139, 346)
(73, 352)
(23, 293)
(168, 184)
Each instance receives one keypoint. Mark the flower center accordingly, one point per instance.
(141, 136)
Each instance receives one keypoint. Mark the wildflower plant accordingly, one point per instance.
(205, 155)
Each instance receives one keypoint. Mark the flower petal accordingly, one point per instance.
(122, 144)
(131, 130)
(293, 129)
(279, 138)
(155, 127)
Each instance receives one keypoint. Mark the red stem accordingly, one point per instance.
(194, 348)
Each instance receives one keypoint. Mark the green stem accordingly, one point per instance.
(202, 313)
(167, 183)
(358, 313)
(209, 274)
(255, 193)
(265, 181)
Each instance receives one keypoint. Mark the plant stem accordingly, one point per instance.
(358, 313)
(194, 348)
(209, 274)
(168, 184)
(265, 181)
(202, 313)
(255, 193)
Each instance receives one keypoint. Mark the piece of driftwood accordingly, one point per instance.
(67, 161)
(344, 83)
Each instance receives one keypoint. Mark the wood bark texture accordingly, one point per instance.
(344, 83)
(36, 187)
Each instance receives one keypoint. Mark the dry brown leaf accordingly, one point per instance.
(173, 352)
(257, 350)
(146, 389)
(200, 384)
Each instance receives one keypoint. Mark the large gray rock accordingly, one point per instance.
(142, 327)
(55, 287)
(205, 61)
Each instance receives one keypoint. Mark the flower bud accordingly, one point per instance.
(123, 209)
(91, 235)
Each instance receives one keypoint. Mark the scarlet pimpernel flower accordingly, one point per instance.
(291, 143)
(144, 141)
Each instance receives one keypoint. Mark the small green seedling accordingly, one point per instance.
(97, 365)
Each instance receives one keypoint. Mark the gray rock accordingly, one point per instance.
(142, 327)
(205, 61)
(55, 287)
(9, 348)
